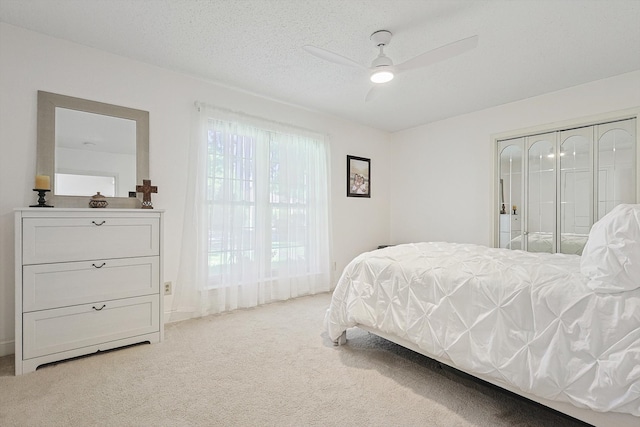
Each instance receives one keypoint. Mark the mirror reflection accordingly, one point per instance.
(616, 167)
(541, 205)
(511, 196)
(575, 190)
(94, 152)
(562, 183)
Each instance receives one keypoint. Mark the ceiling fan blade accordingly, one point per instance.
(331, 56)
(439, 54)
(373, 93)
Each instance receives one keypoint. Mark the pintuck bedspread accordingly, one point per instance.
(526, 319)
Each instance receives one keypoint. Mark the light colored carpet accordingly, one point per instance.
(268, 366)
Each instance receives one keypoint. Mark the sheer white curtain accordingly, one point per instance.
(256, 225)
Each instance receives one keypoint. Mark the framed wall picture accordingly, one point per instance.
(358, 177)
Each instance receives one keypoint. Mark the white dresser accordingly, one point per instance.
(509, 230)
(87, 280)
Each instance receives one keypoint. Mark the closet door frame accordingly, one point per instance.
(495, 139)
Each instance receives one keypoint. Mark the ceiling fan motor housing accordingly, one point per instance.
(382, 61)
(381, 37)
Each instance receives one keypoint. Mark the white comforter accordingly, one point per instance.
(526, 319)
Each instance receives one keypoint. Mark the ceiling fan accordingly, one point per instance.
(382, 69)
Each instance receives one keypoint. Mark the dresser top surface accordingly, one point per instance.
(86, 212)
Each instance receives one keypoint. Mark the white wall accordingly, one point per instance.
(442, 180)
(30, 62)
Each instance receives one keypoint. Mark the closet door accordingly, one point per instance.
(616, 164)
(510, 172)
(540, 213)
(568, 180)
(575, 189)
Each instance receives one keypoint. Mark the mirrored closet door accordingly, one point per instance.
(576, 189)
(511, 179)
(540, 206)
(549, 192)
(616, 165)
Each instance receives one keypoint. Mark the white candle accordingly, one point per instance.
(43, 182)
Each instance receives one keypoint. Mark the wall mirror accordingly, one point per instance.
(88, 147)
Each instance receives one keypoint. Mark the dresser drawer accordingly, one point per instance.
(71, 283)
(48, 240)
(61, 329)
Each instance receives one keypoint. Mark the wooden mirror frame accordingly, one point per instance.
(46, 145)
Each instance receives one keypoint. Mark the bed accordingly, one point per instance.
(543, 242)
(563, 330)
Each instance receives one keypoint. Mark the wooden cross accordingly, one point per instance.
(146, 189)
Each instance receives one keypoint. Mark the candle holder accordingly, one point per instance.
(42, 203)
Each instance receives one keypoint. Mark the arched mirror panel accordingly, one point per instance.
(511, 185)
(616, 165)
(576, 189)
(541, 194)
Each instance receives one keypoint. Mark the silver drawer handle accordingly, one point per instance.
(98, 309)
(95, 223)
(99, 266)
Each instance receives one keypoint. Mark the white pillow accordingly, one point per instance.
(611, 257)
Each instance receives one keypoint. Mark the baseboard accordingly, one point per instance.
(7, 348)
(176, 316)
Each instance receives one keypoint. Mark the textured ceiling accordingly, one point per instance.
(525, 48)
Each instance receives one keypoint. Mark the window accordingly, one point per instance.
(259, 209)
(75, 184)
(256, 219)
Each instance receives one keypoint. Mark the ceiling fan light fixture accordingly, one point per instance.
(383, 70)
(381, 76)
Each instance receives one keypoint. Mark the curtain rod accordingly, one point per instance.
(199, 105)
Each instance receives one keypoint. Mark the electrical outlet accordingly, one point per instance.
(168, 288)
